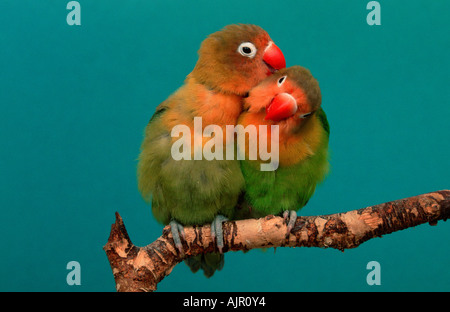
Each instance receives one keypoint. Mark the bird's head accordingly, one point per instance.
(288, 97)
(237, 58)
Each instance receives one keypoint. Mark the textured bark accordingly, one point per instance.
(142, 268)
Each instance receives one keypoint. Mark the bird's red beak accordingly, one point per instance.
(282, 106)
(274, 57)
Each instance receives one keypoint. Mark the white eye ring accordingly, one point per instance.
(281, 81)
(247, 49)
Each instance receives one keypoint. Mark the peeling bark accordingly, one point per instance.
(138, 269)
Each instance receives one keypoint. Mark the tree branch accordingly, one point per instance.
(142, 268)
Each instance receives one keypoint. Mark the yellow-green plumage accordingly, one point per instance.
(287, 188)
(192, 192)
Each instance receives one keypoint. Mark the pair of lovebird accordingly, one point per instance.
(239, 79)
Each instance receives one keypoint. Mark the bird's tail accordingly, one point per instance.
(209, 263)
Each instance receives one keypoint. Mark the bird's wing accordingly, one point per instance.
(324, 121)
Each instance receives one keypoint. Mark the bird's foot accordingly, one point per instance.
(289, 216)
(217, 231)
(177, 231)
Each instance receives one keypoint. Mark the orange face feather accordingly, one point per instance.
(300, 130)
(237, 58)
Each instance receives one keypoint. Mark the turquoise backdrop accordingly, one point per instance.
(75, 100)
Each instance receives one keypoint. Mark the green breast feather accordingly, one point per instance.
(287, 188)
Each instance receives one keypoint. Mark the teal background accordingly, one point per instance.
(75, 101)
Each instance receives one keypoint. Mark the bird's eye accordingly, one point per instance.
(247, 49)
(305, 115)
(281, 80)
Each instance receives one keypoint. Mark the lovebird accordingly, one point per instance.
(291, 100)
(191, 191)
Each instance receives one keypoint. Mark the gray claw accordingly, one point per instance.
(217, 231)
(289, 216)
(177, 229)
(213, 231)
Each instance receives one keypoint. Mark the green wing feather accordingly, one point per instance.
(191, 192)
(323, 119)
